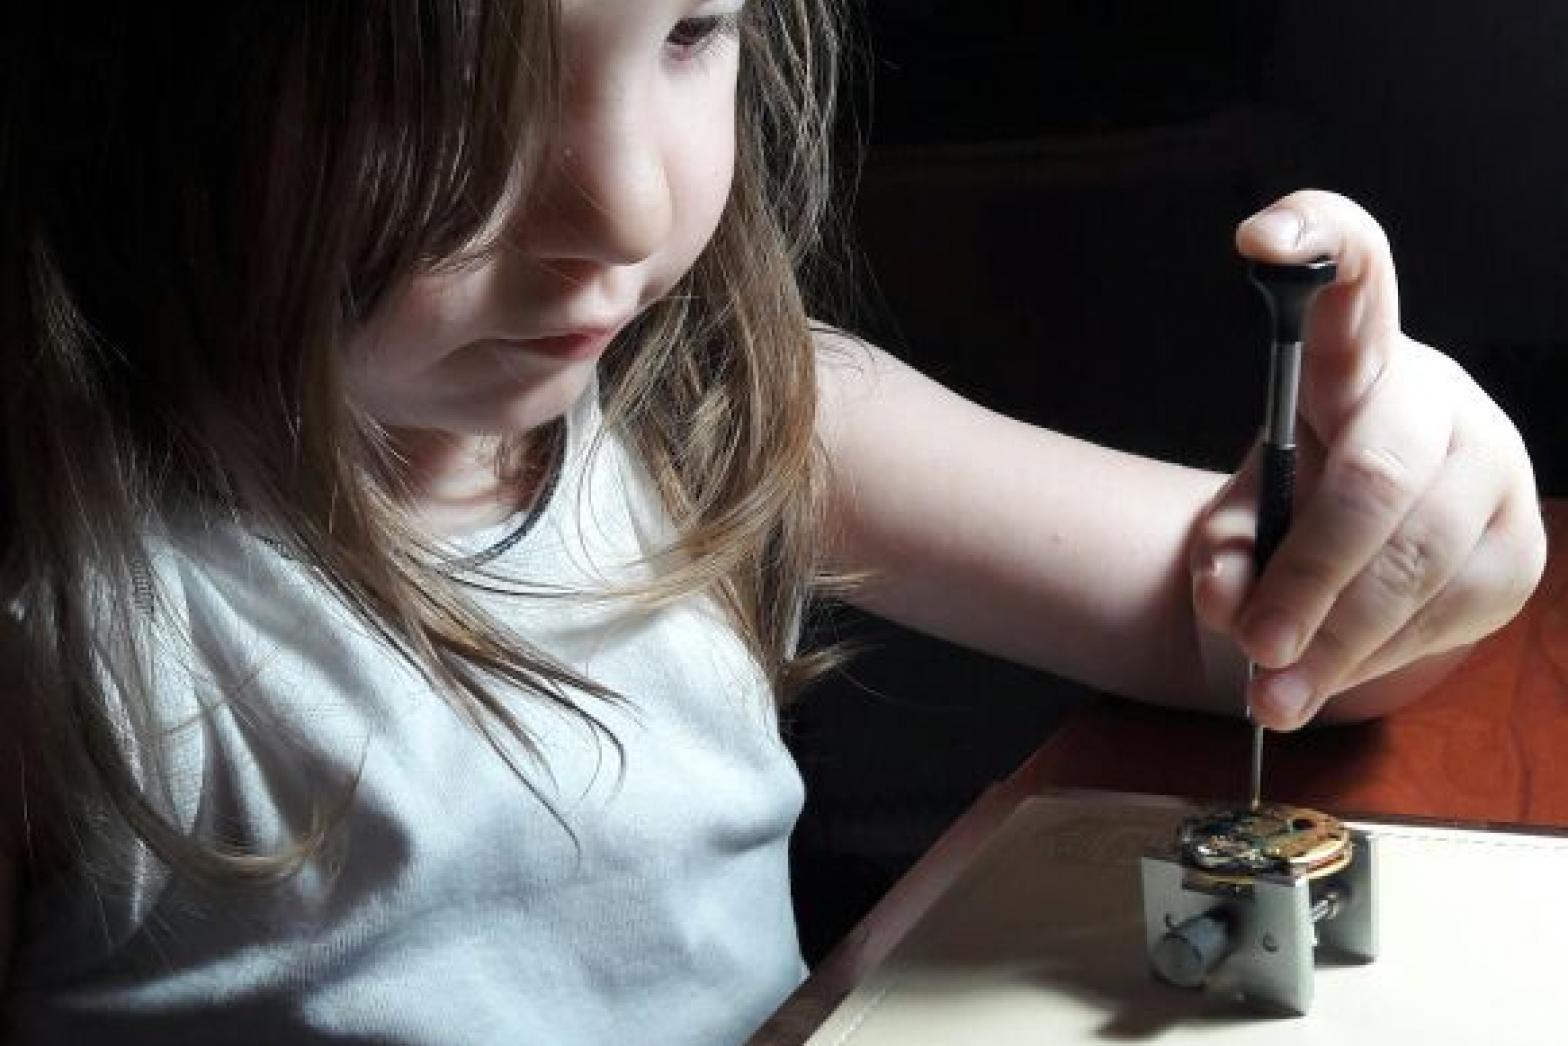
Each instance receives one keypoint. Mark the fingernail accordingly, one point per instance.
(1282, 697)
(1279, 226)
(1273, 639)
(1209, 570)
(1219, 585)
(1205, 594)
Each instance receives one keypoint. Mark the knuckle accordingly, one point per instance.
(1377, 236)
(1344, 210)
(1522, 580)
(1521, 547)
(1409, 567)
(1535, 550)
(1373, 481)
(1449, 372)
(1317, 201)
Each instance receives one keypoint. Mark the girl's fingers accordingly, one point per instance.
(1411, 597)
(1385, 461)
(1409, 540)
(1500, 575)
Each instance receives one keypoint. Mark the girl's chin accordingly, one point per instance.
(496, 403)
(537, 403)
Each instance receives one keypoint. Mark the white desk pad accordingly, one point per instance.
(1040, 941)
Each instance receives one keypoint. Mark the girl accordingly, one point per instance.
(416, 459)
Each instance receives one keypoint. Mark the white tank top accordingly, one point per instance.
(455, 907)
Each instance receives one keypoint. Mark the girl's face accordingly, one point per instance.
(642, 173)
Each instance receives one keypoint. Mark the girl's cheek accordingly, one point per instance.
(705, 142)
(409, 329)
(709, 172)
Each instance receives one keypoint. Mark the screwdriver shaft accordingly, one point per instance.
(1256, 794)
(1289, 290)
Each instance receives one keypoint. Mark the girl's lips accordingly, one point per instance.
(573, 345)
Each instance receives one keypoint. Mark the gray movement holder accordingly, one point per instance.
(1258, 939)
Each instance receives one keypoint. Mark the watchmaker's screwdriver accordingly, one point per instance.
(1288, 290)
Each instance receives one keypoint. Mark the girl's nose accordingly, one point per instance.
(607, 199)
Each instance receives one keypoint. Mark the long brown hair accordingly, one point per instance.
(195, 210)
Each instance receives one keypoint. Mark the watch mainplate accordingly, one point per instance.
(1273, 838)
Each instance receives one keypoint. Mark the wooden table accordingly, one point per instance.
(1490, 745)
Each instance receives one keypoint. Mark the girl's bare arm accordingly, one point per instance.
(1009, 538)
(1034, 546)
(1418, 530)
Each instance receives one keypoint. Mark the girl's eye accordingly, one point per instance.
(691, 36)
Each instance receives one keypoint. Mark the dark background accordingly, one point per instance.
(1046, 214)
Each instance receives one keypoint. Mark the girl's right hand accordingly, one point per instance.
(1417, 530)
